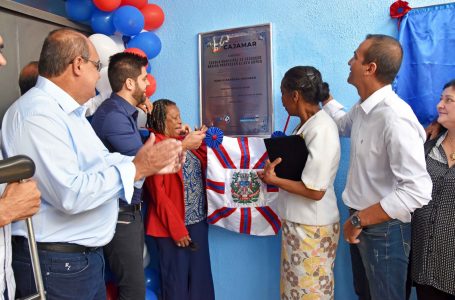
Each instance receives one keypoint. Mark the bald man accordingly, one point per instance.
(79, 179)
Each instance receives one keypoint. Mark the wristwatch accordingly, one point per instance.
(355, 220)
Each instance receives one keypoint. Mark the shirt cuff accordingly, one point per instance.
(332, 107)
(395, 208)
(127, 172)
(139, 183)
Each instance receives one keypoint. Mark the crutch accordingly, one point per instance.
(14, 169)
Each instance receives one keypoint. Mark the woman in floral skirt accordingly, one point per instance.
(308, 207)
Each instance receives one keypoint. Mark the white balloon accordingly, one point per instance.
(146, 256)
(105, 47)
(117, 38)
(103, 86)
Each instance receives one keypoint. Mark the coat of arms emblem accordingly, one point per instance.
(245, 187)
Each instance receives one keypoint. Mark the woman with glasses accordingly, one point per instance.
(177, 211)
(308, 207)
(433, 226)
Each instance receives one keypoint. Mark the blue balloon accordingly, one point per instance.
(152, 279)
(148, 42)
(150, 295)
(149, 68)
(102, 22)
(128, 20)
(79, 10)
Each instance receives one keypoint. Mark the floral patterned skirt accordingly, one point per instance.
(307, 260)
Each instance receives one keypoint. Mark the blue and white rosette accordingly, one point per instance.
(213, 137)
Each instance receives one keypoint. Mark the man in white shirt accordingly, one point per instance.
(387, 177)
(18, 201)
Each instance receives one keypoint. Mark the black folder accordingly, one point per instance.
(293, 152)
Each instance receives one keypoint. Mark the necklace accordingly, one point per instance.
(451, 155)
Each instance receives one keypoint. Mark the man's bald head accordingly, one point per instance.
(60, 48)
(28, 76)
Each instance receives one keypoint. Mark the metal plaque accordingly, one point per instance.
(235, 80)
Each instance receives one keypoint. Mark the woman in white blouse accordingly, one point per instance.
(308, 207)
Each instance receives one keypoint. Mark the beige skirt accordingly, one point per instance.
(307, 261)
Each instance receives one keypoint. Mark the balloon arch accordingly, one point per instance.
(120, 25)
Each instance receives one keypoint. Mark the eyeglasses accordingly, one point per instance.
(98, 65)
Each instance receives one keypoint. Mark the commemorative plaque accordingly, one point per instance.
(235, 80)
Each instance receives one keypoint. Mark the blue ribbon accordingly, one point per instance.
(213, 137)
(278, 133)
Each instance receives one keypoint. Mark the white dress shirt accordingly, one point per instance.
(323, 143)
(79, 180)
(387, 162)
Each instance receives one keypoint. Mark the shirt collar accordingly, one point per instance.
(63, 99)
(129, 109)
(375, 98)
(440, 140)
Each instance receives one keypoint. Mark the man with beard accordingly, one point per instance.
(115, 123)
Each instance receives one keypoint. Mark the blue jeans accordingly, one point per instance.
(384, 249)
(66, 276)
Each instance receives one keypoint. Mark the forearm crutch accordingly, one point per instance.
(16, 169)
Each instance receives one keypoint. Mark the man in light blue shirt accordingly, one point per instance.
(80, 180)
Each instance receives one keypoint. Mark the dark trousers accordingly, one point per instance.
(427, 292)
(185, 273)
(361, 287)
(124, 254)
(66, 276)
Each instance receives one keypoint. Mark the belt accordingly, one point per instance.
(129, 208)
(56, 247)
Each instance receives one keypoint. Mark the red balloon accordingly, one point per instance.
(153, 16)
(111, 291)
(150, 90)
(136, 51)
(136, 3)
(107, 5)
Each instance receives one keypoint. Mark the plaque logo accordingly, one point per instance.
(245, 187)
